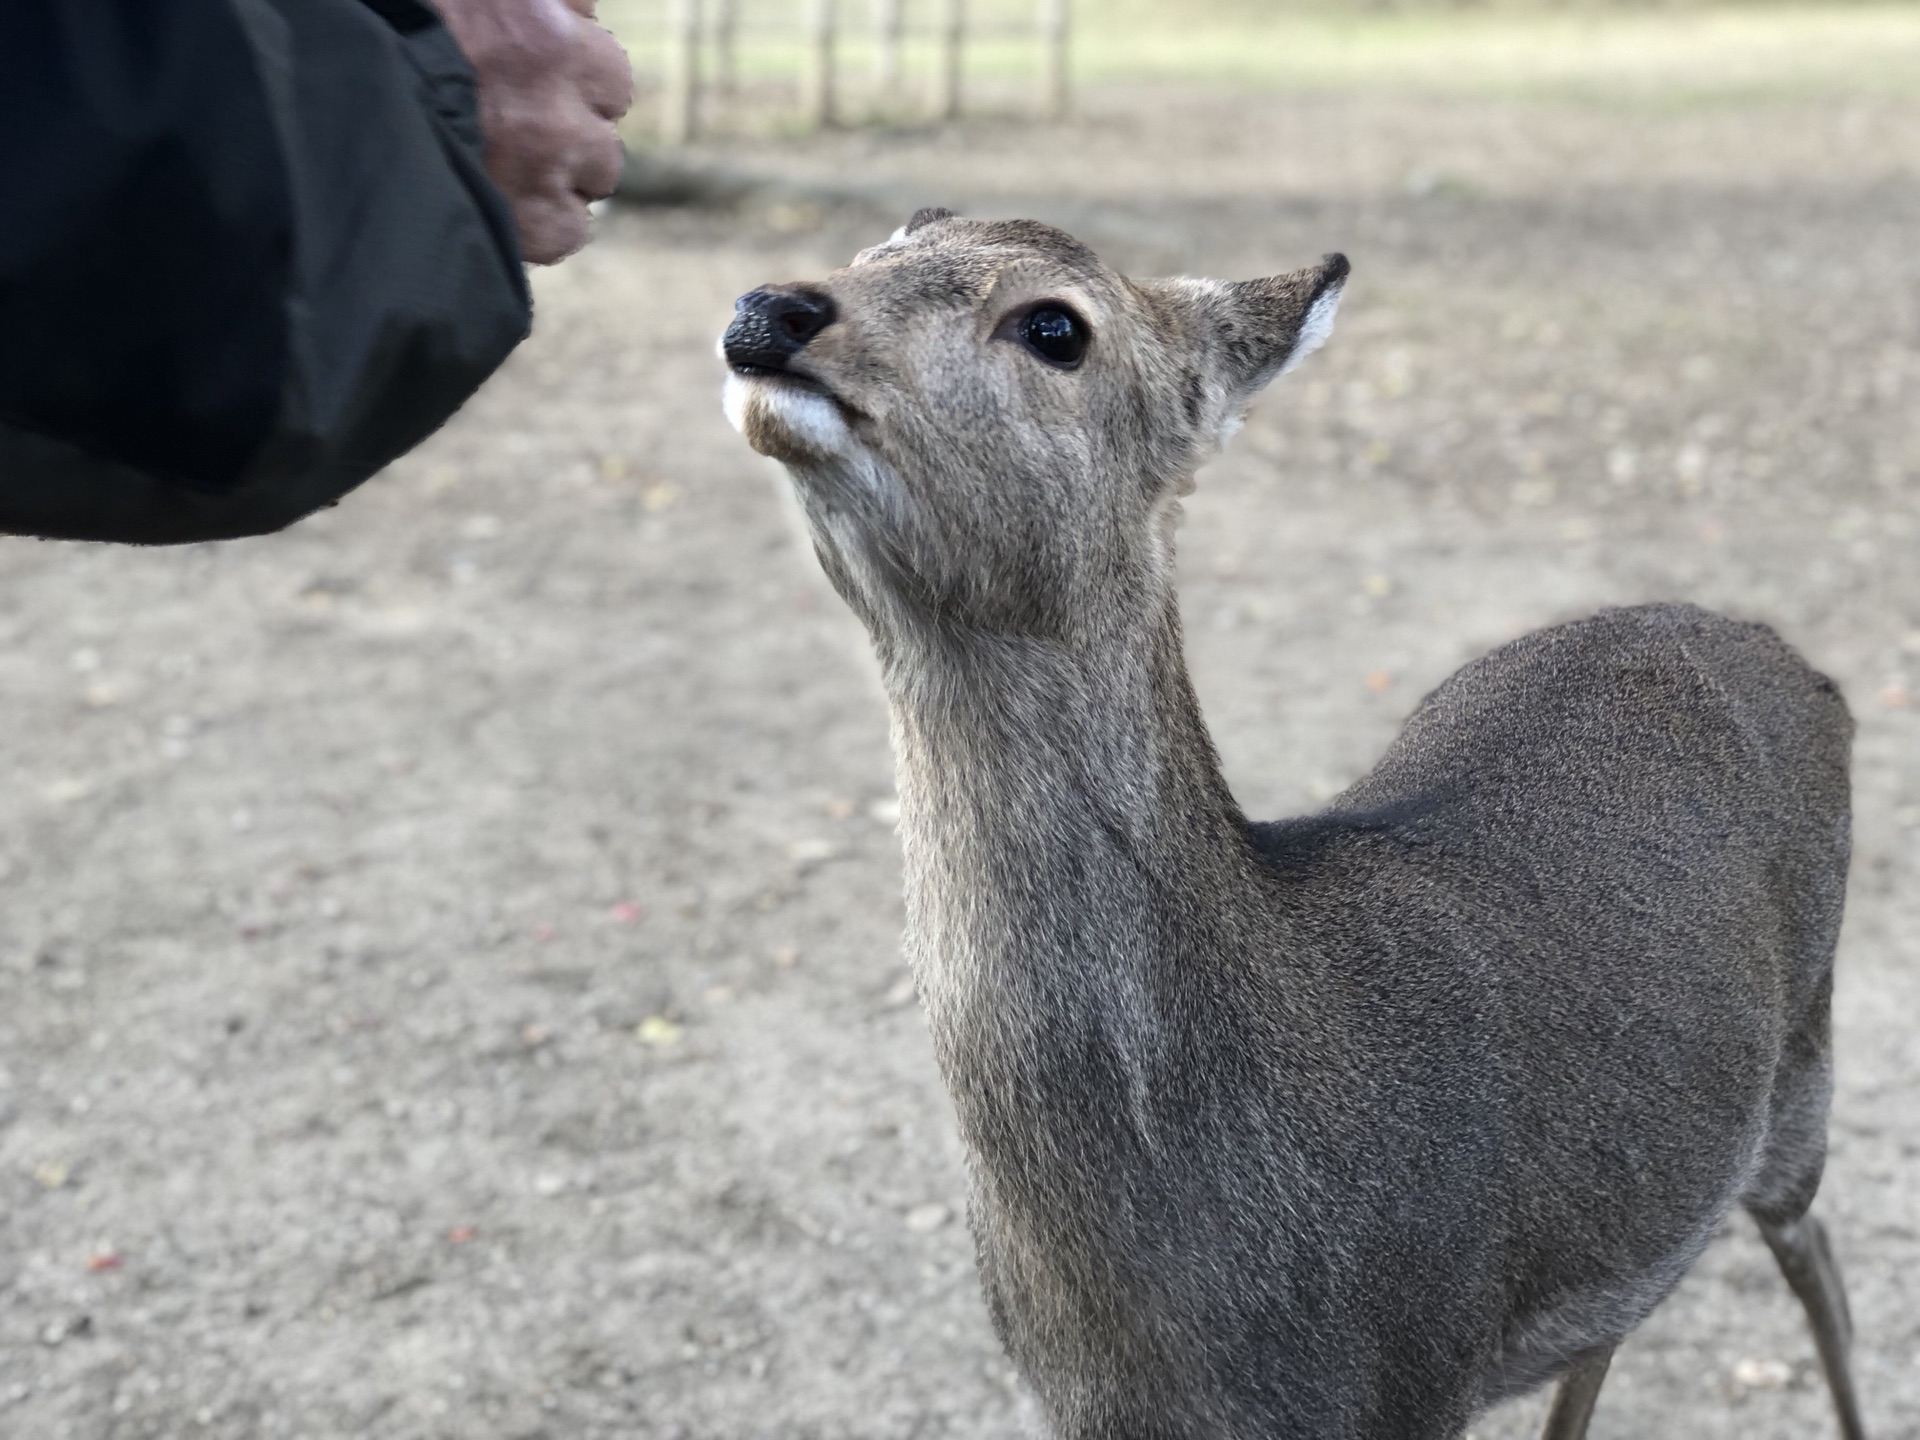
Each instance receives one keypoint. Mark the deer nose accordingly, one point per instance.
(770, 327)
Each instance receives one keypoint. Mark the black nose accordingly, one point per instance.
(770, 327)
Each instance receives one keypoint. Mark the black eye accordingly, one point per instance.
(1055, 334)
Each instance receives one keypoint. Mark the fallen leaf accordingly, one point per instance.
(53, 1175)
(103, 1260)
(657, 1031)
(1379, 682)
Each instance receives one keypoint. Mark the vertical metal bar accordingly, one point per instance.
(888, 25)
(953, 36)
(726, 30)
(680, 100)
(1055, 97)
(820, 100)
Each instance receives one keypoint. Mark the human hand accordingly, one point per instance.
(551, 84)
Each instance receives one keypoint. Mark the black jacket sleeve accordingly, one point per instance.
(248, 256)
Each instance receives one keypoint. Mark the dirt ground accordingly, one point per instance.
(449, 978)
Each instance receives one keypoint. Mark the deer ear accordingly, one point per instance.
(1266, 327)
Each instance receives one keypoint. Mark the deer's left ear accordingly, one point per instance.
(1233, 337)
(1266, 327)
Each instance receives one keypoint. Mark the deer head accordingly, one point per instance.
(988, 428)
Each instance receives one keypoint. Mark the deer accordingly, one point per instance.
(1349, 1125)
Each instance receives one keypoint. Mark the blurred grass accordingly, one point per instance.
(1593, 51)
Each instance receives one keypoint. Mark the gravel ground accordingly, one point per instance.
(448, 953)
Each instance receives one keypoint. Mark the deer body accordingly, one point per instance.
(1337, 1127)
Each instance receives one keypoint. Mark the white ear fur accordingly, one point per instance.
(1315, 329)
(874, 252)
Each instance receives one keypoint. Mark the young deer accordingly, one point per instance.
(1346, 1126)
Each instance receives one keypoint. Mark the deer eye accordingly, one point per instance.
(1057, 336)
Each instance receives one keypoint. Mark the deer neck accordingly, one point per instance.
(1065, 826)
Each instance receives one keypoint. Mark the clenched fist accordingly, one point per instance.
(551, 84)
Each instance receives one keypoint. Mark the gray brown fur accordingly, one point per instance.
(1344, 1126)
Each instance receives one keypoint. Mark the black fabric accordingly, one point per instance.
(146, 214)
(248, 255)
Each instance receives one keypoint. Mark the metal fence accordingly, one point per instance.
(832, 62)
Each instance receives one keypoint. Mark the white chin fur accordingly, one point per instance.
(733, 400)
(810, 422)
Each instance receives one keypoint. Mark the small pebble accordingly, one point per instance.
(925, 1218)
(1762, 1374)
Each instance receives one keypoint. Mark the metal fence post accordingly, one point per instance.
(820, 106)
(680, 100)
(1054, 95)
(887, 28)
(726, 28)
(953, 34)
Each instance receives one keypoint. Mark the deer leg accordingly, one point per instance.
(1807, 1261)
(1573, 1402)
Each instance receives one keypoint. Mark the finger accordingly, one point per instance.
(597, 166)
(551, 227)
(603, 71)
(556, 148)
